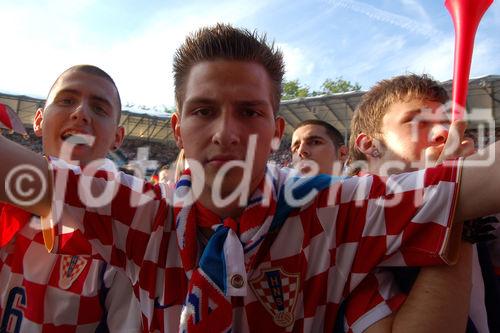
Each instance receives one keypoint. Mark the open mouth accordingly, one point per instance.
(75, 138)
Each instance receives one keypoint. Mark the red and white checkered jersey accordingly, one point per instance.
(50, 293)
(375, 298)
(378, 296)
(321, 253)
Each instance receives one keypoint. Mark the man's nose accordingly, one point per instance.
(226, 129)
(81, 112)
(303, 151)
(439, 134)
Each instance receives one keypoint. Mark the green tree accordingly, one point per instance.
(294, 89)
(338, 85)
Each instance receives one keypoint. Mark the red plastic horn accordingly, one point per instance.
(466, 15)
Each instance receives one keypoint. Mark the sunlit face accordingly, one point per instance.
(224, 103)
(311, 142)
(80, 103)
(409, 128)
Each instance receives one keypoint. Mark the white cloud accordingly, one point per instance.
(40, 47)
(387, 17)
(418, 9)
(297, 63)
(434, 59)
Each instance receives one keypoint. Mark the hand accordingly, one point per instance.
(456, 145)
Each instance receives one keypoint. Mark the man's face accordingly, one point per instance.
(311, 142)
(224, 103)
(410, 128)
(80, 103)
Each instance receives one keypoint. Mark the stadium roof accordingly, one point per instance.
(337, 109)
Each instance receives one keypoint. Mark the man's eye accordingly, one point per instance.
(249, 113)
(204, 112)
(99, 110)
(66, 101)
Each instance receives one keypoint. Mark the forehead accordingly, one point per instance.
(310, 130)
(82, 83)
(418, 108)
(228, 81)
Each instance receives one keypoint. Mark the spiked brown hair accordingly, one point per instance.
(224, 42)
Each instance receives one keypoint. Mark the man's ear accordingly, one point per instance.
(279, 127)
(119, 136)
(38, 122)
(365, 144)
(343, 153)
(175, 124)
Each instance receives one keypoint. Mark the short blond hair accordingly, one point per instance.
(375, 103)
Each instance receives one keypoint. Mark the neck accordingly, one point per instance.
(227, 208)
(385, 168)
(232, 209)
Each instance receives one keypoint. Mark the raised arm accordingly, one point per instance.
(26, 178)
(480, 185)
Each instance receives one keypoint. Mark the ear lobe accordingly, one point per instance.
(175, 124)
(38, 122)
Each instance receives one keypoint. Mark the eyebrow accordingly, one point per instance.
(409, 114)
(205, 100)
(413, 112)
(76, 92)
(307, 138)
(253, 103)
(314, 137)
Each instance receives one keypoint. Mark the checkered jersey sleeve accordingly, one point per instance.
(402, 220)
(106, 214)
(375, 298)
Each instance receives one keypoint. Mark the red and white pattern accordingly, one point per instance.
(330, 244)
(375, 298)
(384, 297)
(46, 293)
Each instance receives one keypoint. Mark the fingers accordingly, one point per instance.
(456, 145)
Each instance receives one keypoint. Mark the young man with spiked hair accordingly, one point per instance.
(241, 245)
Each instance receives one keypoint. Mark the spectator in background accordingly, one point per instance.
(319, 142)
(163, 174)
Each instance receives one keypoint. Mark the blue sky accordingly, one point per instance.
(363, 41)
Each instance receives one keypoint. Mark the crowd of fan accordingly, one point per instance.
(166, 152)
(31, 141)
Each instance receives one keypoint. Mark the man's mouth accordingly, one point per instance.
(221, 159)
(75, 137)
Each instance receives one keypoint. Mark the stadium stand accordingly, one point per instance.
(153, 131)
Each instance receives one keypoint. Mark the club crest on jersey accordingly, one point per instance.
(277, 290)
(71, 268)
